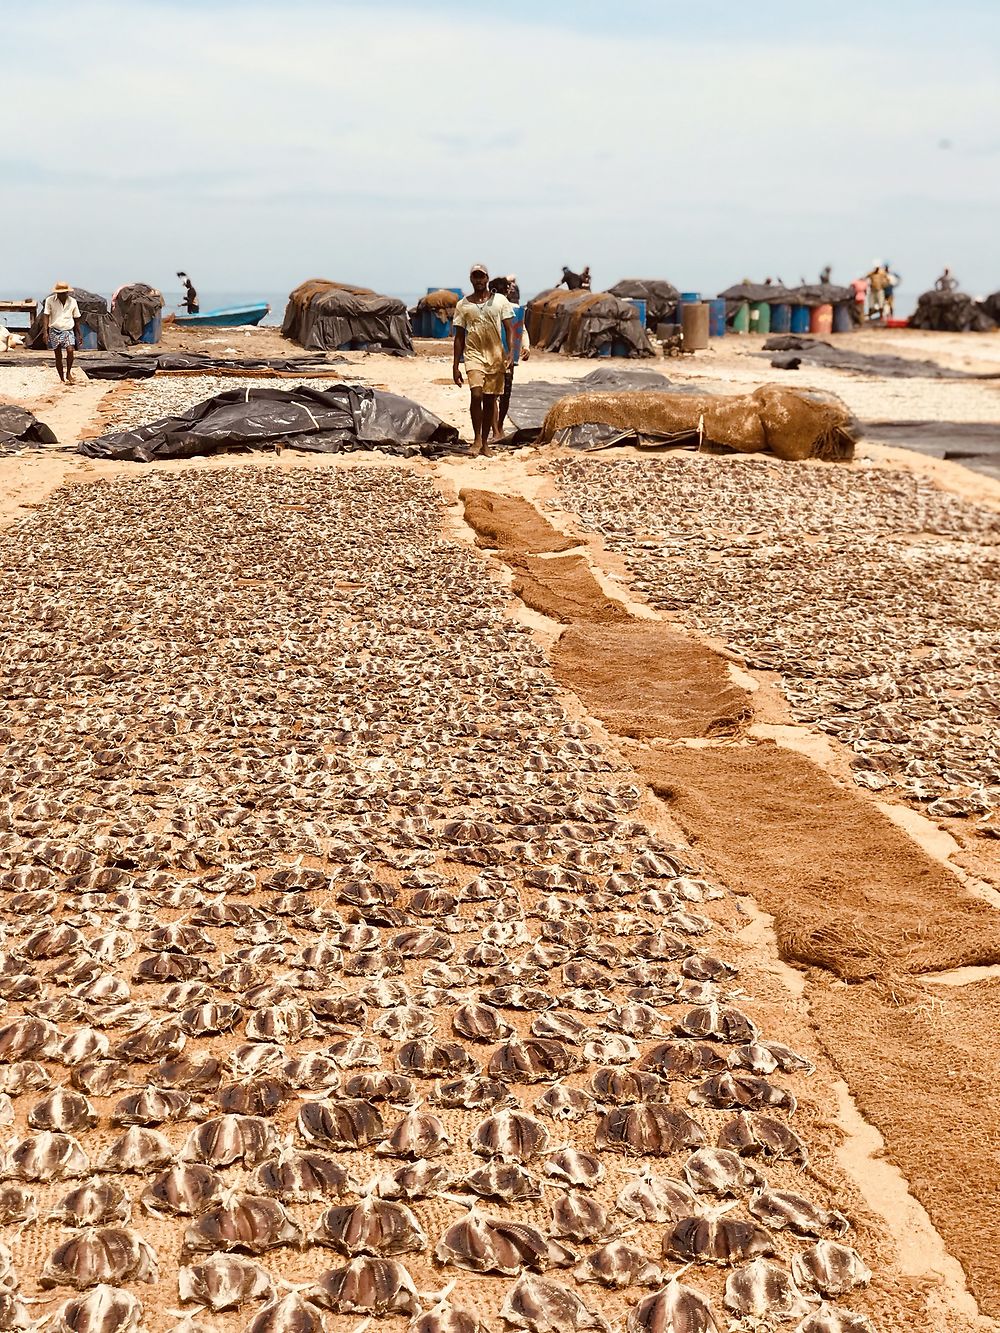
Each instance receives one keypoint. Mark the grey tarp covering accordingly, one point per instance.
(327, 316)
(808, 294)
(19, 426)
(136, 366)
(134, 306)
(582, 323)
(93, 312)
(661, 297)
(951, 312)
(798, 350)
(335, 420)
(974, 444)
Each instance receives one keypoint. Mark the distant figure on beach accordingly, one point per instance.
(480, 322)
(575, 281)
(61, 327)
(190, 295)
(878, 281)
(824, 274)
(859, 286)
(890, 290)
(513, 289)
(522, 350)
(947, 282)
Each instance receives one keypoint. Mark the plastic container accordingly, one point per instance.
(741, 320)
(694, 325)
(691, 298)
(439, 328)
(151, 330)
(842, 322)
(605, 350)
(640, 305)
(781, 317)
(716, 317)
(760, 317)
(88, 337)
(800, 319)
(821, 319)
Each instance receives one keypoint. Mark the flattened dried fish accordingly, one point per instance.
(224, 1282)
(366, 1285)
(373, 1226)
(673, 1309)
(183, 1190)
(648, 1129)
(830, 1269)
(716, 1240)
(783, 1210)
(618, 1264)
(543, 1306)
(762, 1290)
(241, 1221)
(100, 1254)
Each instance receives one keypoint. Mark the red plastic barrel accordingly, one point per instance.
(821, 319)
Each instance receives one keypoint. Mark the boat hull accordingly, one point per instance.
(231, 317)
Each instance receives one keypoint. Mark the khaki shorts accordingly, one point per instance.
(490, 381)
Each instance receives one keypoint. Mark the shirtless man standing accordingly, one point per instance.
(479, 323)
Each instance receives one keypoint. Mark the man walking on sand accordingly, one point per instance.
(61, 327)
(479, 322)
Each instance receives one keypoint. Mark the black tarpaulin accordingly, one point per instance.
(661, 297)
(94, 312)
(951, 312)
(335, 420)
(134, 306)
(19, 426)
(809, 294)
(330, 315)
(582, 323)
(530, 401)
(796, 351)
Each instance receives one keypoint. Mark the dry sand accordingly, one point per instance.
(919, 1286)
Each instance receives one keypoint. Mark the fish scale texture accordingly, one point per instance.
(292, 812)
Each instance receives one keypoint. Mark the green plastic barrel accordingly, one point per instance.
(760, 317)
(741, 320)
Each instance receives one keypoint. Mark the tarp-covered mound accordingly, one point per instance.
(95, 313)
(990, 306)
(583, 323)
(329, 315)
(661, 297)
(331, 421)
(786, 422)
(442, 302)
(19, 426)
(134, 306)
(808, 294)
(950, 312)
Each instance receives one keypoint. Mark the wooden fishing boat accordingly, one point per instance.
(228, 318)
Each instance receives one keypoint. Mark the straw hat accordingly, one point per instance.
(62, 287)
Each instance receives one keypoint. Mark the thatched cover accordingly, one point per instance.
(327, 315)
(581, 323)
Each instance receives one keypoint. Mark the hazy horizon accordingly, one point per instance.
(392, 144)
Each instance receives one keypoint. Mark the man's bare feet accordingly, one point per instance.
(70, 379)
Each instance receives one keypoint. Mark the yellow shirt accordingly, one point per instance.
(483, 325)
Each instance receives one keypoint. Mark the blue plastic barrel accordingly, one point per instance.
(439, 328)
(640, 305)
(717, 318)
(842, 322)
(800, 319)
(88, 337)
(605, 350)
(781, 317)
(693, 297)
(151, 330)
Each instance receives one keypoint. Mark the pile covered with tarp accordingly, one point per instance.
(951, 312)
(94, 312)
(330, 316)
(339, 419)
(19, 426)
(789, 423)
(809, 294)
(661, 298)
(990, 305)
(586, 324)
(441, 303)
(133, 306)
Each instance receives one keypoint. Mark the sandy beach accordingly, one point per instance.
(290, 698)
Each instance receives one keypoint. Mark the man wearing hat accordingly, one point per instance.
(480, 322)
(61, 327)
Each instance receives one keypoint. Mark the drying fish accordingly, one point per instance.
(532, 1061)
(749, 1135)
(480, 1022)
(648, 1129)
(833, 1319)
(414, 1180)
(673, 1309)
(577, 1216)
(26, 1037)
(354, 1053)
(171, 967)
(473, 1094)
(80, 1046)
(427, 1058)
(255, 1057)
(301, 1177)
(340, 1126)
(763, 1290)
(46, 1156)
(206, 1020)
(743, 1090)
(373, 1226)
(366, 1285)
(190, 1073)
(626, 1086)
(782, 1210)
(158, 1041)
(559, 1026)
(9, 1280)
(261, 1095)
(513, 1135)
(682, 1059)
(290, 1314)
(17, 1204)
(396, 1089)
(241, 1221)
(419, 1134)
(570, 1166)
(224, 1282)
(24, 1076)
(503, 1180)
(231, 1138)
(183, 1190)
(404, 1022)
(314, 1072)
(543, 1306)
(716, 1022)
(565, 1103)
(610, 1049)
(103, 1309)
(830, 1269)
(652, 1198)
(139, 1149)
(101, 1078)
(720, 1171)
(493, 1245)
(444, 1317)
(151, 1106)
(100, 1254)
(618, 1264)
(97, 1203)
(281, 1024)
(716, 1240)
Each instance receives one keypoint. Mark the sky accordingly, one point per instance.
(255, 143)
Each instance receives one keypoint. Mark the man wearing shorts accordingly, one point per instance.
(61, 327)
(480, 321)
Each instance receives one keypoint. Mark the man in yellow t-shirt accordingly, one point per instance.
(478, 323)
